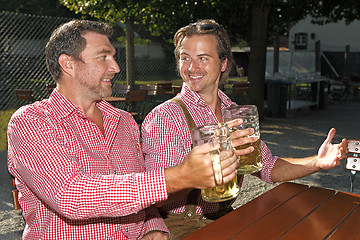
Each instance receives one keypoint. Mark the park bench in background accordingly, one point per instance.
(24, 95)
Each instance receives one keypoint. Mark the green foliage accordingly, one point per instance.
(137, 40)
(5, 116)
(333, 10)
(161, 18)
(38, 7)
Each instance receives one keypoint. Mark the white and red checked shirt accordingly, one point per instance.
(166, 140)
(75, 182)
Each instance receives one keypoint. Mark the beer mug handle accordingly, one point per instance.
(215, 159)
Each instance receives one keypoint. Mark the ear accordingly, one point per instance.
(66, 63)
(224, 65)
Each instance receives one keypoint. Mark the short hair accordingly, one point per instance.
(203, 27)
(67, 39)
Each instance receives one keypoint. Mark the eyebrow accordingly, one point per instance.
(204, 54)
(106, 51)
(199, 55)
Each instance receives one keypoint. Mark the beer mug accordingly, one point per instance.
(218, 133)
(252, 162)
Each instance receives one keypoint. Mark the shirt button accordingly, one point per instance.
(114, 171)
(126, 229)
(189, 214)
(78, 111)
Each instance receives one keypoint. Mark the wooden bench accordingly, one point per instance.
(25, 95)
(131, 98)
(240, 88)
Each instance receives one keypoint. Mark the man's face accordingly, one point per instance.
(97, 66)
(199, 63)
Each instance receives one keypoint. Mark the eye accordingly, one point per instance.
(184, 59)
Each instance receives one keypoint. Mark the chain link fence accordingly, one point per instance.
(22, 58)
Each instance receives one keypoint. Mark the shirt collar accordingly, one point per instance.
(196, 99)
(63, 107)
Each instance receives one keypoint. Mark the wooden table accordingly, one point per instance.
(290, 211)
(115, 99)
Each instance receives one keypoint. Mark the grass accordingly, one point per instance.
(4, 120)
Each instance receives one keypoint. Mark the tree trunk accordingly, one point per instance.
(276, 53)
(130, 54)
(257, 60)
(130, 59)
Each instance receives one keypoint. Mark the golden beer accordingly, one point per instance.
(221, 193)
(252, 162)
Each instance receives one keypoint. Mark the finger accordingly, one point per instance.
(344, 144)
(330, 135)
(342, 153)
(226, 153)
(205, 148)
(234, 123)
(239, 133)
(229, 177)
(242, 141)
(229, 165)
(226, 157)
(241, 152)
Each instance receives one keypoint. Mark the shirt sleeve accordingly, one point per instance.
(268, 161)
(41, 157)
(154, 222)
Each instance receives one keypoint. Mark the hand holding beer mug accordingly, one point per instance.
(218, 133)
(252, 162)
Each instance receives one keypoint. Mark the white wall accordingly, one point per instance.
(332, 36)
(291, 62)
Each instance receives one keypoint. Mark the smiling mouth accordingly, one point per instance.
(106, 80)
(195, 77)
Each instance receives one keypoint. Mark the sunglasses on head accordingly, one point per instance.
(206, 26)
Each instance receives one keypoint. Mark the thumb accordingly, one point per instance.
(330, 135)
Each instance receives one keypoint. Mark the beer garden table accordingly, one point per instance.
(290, 211)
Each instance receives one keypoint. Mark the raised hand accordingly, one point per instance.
(330, 155)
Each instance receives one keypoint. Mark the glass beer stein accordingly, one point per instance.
(252, 162)
(216, 133)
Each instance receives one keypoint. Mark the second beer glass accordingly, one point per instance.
(249, 163)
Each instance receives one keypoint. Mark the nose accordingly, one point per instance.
(114, 67)
(193, 65)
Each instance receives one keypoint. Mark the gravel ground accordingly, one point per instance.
(298, 135)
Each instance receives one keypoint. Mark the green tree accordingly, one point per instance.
(161, 18)
(254, 21)
(38, 7)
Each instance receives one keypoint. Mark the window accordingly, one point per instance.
(301, 41)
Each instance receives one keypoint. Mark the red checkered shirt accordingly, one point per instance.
(166, 140)
(75, 182)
